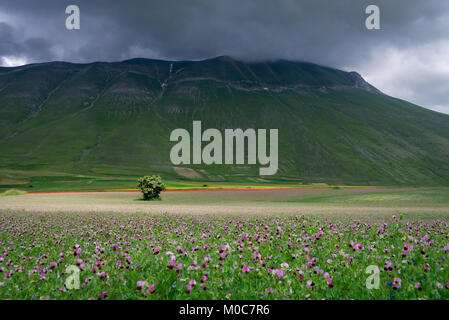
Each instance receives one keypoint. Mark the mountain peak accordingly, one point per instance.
(276, 74)
(361, 83)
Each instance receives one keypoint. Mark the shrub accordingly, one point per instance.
(151, 186)
(12, 192)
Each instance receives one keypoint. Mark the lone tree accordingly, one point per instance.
(151, 186)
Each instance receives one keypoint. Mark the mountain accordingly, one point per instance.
(116, 119)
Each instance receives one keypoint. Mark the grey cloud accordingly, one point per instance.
(12, 45)
(327, 32)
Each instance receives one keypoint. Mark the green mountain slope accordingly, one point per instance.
(116, 118)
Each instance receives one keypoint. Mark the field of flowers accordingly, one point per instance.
(228, 257)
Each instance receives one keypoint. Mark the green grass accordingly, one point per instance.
(47, 181)
(428, 196)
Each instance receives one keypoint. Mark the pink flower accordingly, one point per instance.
(172, 264)
(284, 265)
(188, 289)
(446, 247)
(141, 285)
(280, 273)
(310, 284)
(396, 283)
(245, 269)
(388, 266)
(103, 275)
(150, 289)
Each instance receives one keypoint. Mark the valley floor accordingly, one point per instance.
(227, 244)
(412, 202)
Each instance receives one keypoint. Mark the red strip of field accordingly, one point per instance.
(202, 190)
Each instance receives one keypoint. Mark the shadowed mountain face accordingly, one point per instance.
(105, 118)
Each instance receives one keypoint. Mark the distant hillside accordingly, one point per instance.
(116, 118)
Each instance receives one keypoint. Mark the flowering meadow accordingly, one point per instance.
(226, 257)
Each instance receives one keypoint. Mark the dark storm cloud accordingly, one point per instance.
(10, 46)
(329, 32)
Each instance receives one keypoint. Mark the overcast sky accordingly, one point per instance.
(408, 58)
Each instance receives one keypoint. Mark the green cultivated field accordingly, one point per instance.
(50, 181)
